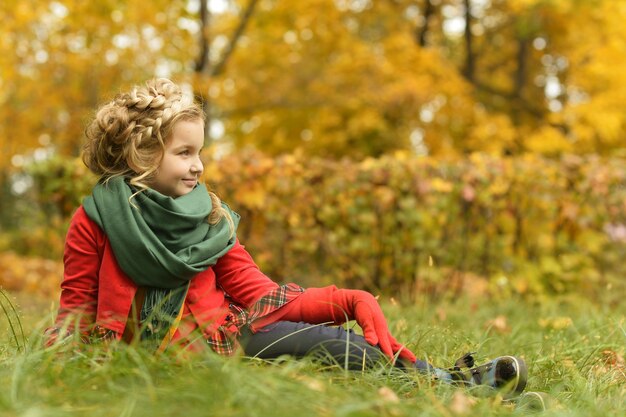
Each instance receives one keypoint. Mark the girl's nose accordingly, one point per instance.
(197, 167)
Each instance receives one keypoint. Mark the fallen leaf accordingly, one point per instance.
(442, 315)
(461, 403)
(498, 324)
(556, 323)
(613, 359)
(388, 395)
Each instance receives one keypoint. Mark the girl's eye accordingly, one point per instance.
(184, 153)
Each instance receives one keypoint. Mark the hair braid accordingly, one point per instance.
(128, 134)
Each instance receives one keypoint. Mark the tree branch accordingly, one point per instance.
(273, 105)
(522, 103)
(219, 67)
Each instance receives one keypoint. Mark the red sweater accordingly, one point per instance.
(97, 289)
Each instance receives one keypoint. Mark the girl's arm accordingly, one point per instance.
(238, 275)
(240, 278)
(79, 289)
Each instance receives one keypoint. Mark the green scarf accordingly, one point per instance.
(159, 241)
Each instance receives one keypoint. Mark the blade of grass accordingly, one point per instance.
(14, 331)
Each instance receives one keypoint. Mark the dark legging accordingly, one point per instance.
(327, 343)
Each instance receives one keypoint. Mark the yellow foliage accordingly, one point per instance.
(380, 223)
(548, 141)
(555, 323)
(441, 185)
(330, 78)
(491, 134)
(477, 226)
(32, 275)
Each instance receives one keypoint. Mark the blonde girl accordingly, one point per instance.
(152, 257)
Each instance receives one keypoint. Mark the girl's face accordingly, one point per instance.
(181, 166)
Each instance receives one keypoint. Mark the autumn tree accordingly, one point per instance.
(329, 77)
(60, 59)
(333, 78)
(443, 76)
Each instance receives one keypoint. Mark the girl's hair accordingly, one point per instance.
(128, 134)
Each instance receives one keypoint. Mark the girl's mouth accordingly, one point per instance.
(190, 182)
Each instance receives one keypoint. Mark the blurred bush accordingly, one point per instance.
(28, 274)
(399, 224)
(36, 220)
(406, 225)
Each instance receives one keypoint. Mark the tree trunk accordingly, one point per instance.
(470, 63)
(201, 67)
(522, 64)
(422, 33)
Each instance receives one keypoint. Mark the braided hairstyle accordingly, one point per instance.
(128, 134)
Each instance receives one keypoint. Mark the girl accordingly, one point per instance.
(153, 256)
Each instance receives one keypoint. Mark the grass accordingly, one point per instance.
(574, 350)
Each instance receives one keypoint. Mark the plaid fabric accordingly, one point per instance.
(224, 340)
(101, 334)
(95, 335)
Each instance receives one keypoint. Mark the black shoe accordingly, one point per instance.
(507, 374)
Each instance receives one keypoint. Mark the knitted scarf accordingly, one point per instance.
(159, 241)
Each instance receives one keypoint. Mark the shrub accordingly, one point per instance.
(401, 223)
(398, 224)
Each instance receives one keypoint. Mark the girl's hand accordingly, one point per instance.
(368, 314)
(332, 305)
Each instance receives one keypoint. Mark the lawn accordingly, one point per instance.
(575, 353)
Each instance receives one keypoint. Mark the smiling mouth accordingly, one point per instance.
(190, 181)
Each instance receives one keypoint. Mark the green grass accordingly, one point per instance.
(562, 341)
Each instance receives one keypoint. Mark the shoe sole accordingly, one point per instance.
(533, 401)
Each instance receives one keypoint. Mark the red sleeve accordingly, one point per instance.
(238, 275)
(81, 259)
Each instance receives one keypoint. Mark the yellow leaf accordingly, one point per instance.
(556, 323)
